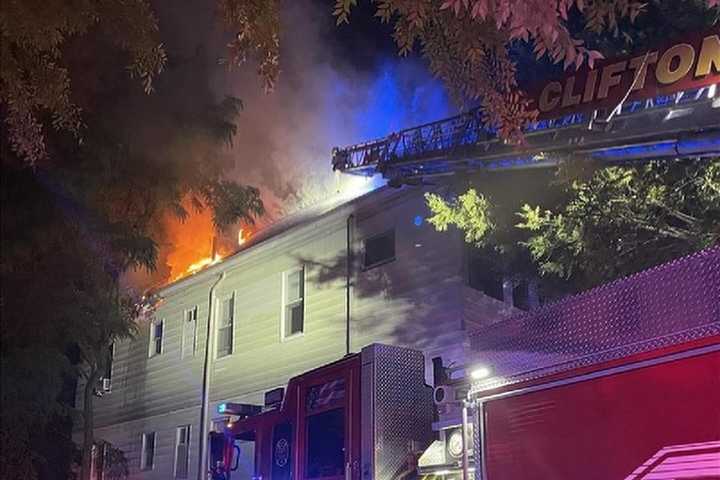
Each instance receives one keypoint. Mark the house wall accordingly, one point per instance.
(415, 300)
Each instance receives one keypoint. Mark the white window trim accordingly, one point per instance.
(151, 345)
(283, 305)
(218, 318)
(143, 453)
(195, 309)
(177, 444)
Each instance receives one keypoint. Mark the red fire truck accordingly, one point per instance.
(367, 415)
(621, 382)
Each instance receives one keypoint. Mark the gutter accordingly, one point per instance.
(207, 370)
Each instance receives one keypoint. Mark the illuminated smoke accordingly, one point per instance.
(284, 139)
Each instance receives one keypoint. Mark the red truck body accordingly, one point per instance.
(651, 416)
(365, 416)
(330, 396)
(618, 383)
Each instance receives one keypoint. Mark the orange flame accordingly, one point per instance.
(196, 245)
(202, 263)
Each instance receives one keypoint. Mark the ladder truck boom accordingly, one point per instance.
(663, 103)
(686, 123)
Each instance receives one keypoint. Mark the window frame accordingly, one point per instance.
(365, 266)
(218, 319)
(143, 451)
(195, 311)
(284, 304)
(108, 373)
(187, 450)
(152, 346)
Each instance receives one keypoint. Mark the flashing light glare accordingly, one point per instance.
(222, 407)
(479, 373)
(418, 220)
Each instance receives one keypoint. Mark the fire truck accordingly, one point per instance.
(620, 382)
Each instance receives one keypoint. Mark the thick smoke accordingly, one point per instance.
(327, 95)
(285, 138)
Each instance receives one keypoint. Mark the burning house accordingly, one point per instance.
(302, 293)
(336, 278)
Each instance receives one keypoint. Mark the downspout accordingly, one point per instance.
(348, 280)
(209, 344)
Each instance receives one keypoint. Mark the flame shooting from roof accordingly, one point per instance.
(197, 245)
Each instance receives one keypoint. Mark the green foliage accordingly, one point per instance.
(467, 43)
(625, 219)
(256, 28)
(617, 222)
(34, 76)
(38, 79)
(470, 213)
(73, 225)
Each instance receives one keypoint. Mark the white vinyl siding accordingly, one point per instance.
(182, 449)
(293, 313)
(147, 454)
(157, 329)
(189, 339)
(225, 327)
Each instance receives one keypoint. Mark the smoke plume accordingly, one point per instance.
(322, 100)
(331, 92)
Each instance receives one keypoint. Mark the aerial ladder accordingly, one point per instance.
(681, 124)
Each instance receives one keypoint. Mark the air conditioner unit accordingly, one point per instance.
(106, 385)
(444, 395)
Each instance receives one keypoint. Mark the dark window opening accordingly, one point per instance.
(483, 277)
(108, 362)
(379, 249)
(294, 302)
(326, 444)
(148, 451)
(157, 336)
(521, 295)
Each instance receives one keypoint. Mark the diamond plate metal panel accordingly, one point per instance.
(672, 303)
(401, 408)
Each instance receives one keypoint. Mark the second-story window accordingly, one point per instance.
(108, 361)
(225, 327)
(379, 249)
(105, 380)
(189, 345)
(157, 328)
(293, 314)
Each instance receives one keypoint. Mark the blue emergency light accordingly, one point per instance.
(239, 409)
